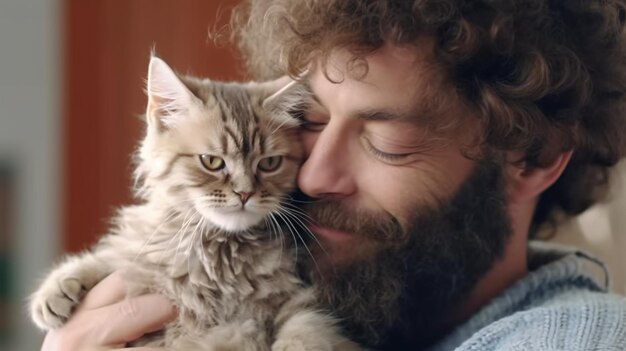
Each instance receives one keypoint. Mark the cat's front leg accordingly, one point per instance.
(301, 327)
(235, 336)
(311, 331)
(54, 301)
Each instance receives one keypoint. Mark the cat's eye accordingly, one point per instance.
(212, 163)
(270, 164)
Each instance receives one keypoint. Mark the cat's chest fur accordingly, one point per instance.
(213, 277)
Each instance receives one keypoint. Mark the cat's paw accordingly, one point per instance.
(53, 304)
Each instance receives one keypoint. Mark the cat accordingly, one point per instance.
(213, 172)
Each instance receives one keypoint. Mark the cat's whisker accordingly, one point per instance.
(202, 248)
(285, 202)
(187, 213)
(282, 234)
(172, 213)
(306, 229)
(274, 124)
(300, 212)
(181, 233)
(191, 245)
(185, 235)
(303, 225)
(291, 199)
(202, 227)
(278, 237)
(295, 232)
(269, 228)
(301, 217)
(193, 235)
(285, 218)
(274, 232)
(277, 128)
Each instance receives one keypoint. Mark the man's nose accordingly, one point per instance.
(327, 171)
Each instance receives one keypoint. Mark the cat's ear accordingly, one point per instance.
(286, 96)
(169, 99)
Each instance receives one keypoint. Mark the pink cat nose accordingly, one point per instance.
(244, 196)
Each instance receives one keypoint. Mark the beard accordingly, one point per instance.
(406, 284)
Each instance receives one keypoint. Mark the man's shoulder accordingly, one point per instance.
(572, 320)
(559, 305)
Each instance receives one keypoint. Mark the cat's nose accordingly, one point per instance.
(244, 196)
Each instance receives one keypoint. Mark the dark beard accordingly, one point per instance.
(403, 295)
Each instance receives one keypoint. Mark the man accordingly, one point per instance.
(440, 135)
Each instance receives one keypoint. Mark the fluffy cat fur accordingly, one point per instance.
(201, 235)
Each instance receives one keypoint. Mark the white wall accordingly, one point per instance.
(30, 47)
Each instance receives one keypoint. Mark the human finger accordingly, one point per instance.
(129, 319)
(110, 290)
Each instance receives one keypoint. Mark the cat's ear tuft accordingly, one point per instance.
(168, 97)
(287, 97)
(277, 87)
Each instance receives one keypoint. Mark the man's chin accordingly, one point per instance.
(346, 284)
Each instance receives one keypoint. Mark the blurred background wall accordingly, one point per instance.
(30, 157)
(601, 230)
(107, 50)
(71, 90)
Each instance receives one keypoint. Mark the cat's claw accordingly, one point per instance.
(53, 304)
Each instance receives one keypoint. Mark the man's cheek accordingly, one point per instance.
(341, 255)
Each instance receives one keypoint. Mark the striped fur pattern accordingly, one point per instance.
(212, 176)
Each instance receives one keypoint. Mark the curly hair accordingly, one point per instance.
(544, 76)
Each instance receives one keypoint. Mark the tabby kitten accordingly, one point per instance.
(215, 166)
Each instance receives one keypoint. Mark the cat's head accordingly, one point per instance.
(227, 151)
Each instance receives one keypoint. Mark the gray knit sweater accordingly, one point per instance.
(557, 306)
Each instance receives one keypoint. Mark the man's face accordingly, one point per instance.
(369, 147)
(384, 179)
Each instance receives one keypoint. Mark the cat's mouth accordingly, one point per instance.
(233, 218)
(237, 209)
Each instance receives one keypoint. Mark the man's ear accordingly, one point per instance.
(525, 184)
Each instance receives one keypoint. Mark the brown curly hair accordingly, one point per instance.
(545, 76)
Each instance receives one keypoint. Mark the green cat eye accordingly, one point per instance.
(270, 164)
(212, 163)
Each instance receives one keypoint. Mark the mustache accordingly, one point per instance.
(380, 227)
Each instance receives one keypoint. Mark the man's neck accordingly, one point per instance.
(504, 274)
(507, 271)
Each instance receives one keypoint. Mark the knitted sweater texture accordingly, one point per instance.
(559, 305)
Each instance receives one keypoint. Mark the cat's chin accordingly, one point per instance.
(236, 221)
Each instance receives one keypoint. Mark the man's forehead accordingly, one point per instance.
(398, 61)
(400, 79)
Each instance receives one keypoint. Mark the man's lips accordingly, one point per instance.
(330, 234)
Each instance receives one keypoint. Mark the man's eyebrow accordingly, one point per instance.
(418, 114)
(384, 115)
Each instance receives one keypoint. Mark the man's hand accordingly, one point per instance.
(107, 319)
